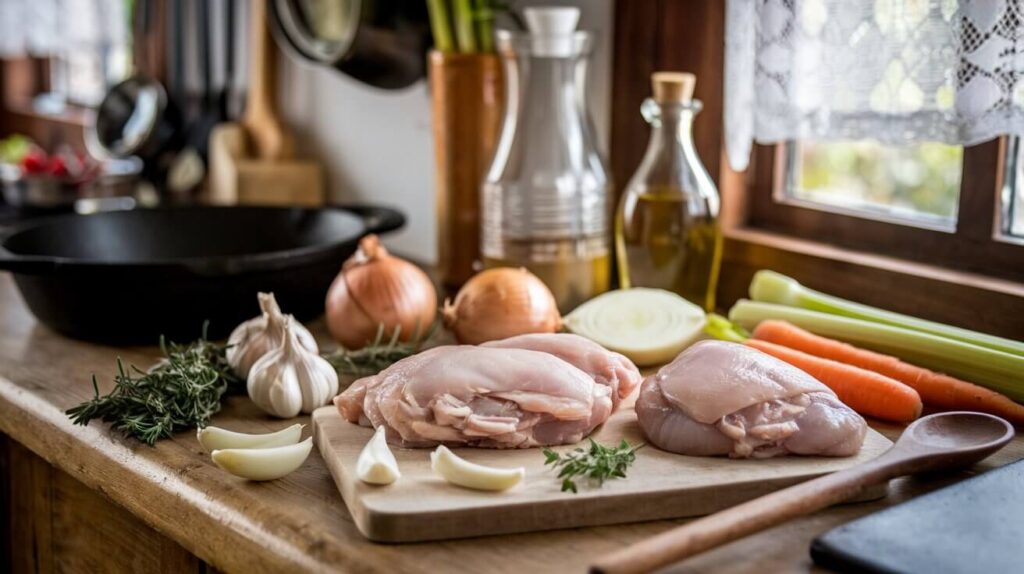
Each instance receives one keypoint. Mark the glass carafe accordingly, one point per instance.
(546, 195)
(666, 228)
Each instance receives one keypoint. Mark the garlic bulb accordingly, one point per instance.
(260, 335)
(291, 379)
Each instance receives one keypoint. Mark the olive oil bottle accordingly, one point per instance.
(666, 227)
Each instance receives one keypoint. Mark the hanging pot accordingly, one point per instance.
(379, 42)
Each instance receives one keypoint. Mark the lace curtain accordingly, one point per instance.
(54, 27)
(897, 71)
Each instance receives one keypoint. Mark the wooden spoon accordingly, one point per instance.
(269, 138)
(941, 441)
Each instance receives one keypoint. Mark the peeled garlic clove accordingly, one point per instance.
(376, 463)
(256, 337)
(215, 438)
(471, 475)
(291, 379)
(263, 463)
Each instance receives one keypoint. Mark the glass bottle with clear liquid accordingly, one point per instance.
(545, 198)
(666, 227)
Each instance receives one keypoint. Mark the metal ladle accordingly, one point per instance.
(943, 441)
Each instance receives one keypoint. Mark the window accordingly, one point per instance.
(916, 185)
(946, 225)
(81, 76)
(822, 80)
(84, 45)
(783, 64)
(95, 53)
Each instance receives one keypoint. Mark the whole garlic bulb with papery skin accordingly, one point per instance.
(260, 335)
(291, 379)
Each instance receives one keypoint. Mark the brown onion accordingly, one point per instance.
(375, 288)
(500, 303)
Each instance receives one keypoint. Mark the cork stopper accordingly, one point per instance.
(673, 86)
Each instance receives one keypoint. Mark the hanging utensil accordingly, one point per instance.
(253, 161)
(136, 117)
(225, 96)
(269, 138)
(190, 166)
(379, 42)
(210, 108)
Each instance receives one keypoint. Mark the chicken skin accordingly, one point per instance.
(719, 398)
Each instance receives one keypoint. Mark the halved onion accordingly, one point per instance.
(650, 326)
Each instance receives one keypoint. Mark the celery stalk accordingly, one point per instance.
(465, 32)
(723, 329)
(772, 287)
(484, 21)
(991, 368)
(440, 25)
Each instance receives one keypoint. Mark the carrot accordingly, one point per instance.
(864, 391)
(936, 389)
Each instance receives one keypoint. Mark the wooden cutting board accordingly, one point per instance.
(421, 506)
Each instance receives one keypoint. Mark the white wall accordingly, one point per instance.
(377, 146)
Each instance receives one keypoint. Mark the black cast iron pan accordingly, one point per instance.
(130, 276)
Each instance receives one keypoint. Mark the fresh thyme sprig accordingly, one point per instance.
(597, 464)
(182, 391)
(380, 354)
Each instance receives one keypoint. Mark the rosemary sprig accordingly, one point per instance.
(182, 391)
(597, 464)
(378, 355)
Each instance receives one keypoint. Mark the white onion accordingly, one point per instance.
(650, 326)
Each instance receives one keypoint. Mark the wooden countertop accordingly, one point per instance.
(300, 523)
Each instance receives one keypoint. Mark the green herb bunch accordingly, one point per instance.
(181, 392)
(378, 355)
(597, 464)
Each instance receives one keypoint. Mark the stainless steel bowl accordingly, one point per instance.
(36, 191)
(119, 178)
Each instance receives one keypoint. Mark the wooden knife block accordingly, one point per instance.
(238, 177)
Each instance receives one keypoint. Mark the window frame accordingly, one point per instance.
(976, 244)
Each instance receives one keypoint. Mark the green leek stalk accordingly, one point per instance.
(440, 25)
(772, 287)
(465, 34)
(995, 369)
(484, 20)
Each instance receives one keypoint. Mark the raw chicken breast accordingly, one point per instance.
(605, 367)
(479, 396)
(719, 398)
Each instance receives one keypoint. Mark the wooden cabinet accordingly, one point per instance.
(54, 523)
